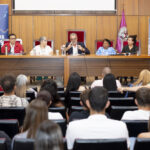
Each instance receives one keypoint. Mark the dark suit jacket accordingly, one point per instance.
(70, 51)
(132, 51)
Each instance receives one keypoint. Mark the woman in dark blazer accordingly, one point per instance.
(131, 47)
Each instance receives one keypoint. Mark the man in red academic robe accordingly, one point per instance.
(13, 47)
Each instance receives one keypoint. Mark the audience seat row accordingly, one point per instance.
(84, 144)
(135, 127)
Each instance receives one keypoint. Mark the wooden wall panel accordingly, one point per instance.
(130, 7)
(120, 6)
(43, 26)
(62, 24)
(22, 27)
(143, 33)
(144, 7)
(107, 28)
(88, 23)
(132, 24)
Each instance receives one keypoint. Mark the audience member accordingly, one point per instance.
(97, 125)
(143, 102)
(105, 71)
(46, 97)
(49, 137)
(109, 82)
(51, 86)
(9, 99)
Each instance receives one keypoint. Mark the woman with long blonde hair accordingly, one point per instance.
(142, 81)
(144, 78)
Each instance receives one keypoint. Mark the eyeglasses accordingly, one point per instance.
(73, 39)
(12, 38)
(45, 40)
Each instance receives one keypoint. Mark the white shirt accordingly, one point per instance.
(75, 50)
(22, 135)
(136, 115)
(37, 50)
(100, 83)
(95, 127)
(54, 116)
(12, 48)
(13, 101)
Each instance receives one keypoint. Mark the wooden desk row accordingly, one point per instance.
(89, 65)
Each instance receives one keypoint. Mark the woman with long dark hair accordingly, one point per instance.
(49, 137)
(74, 84)
(109, 82)
(131, 47)
(51, 86)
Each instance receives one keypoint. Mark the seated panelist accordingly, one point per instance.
(42, 49)
(131, 47)
(106, 49)
(74, 47)
(13, 47)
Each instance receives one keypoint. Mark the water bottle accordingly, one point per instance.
(138, 53)
(57, 52)
(63, 50)
(6, 50)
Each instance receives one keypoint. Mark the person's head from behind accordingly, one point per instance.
(73, 38)
(105, 71)
(106, 43)
(98, 100)
(36, 112)
(45, 96)
(51, 86)
(48, 137)
(109, 82)
(12, 38)
(21, 85)
(143, 98)
(132, 40)
(144, 77)
(74, 82)
(43, 41)
(8, 84)
(84, 96)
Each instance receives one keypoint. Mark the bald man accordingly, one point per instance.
(105, 71)
(74, 47)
